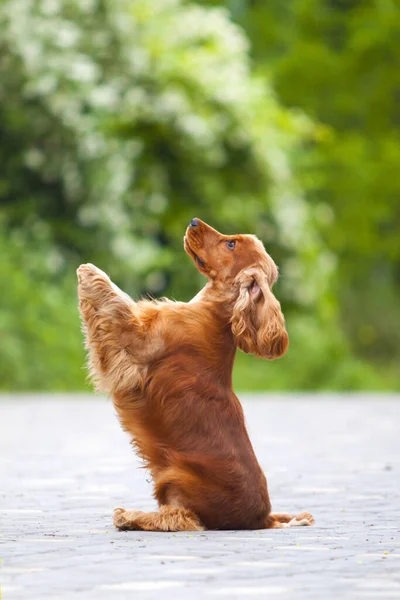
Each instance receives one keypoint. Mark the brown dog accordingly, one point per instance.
(168, 367)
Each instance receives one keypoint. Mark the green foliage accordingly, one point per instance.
(353, 63)
(318, 359)
(40, 334)
(126, 117)
(122, 119)
(339, 62)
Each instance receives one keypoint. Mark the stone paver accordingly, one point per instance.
(65, 464)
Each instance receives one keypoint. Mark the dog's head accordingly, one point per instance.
(240, 265)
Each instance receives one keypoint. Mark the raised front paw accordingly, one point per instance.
(94, 287)
(88, 271)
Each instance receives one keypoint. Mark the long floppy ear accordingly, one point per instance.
(257, 320)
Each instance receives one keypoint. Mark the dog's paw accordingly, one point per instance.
(125, 519)
(88, 272)
(302, 519)
(119, 519)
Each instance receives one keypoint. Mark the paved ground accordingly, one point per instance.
(65, 464)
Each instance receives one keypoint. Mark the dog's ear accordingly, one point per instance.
(258, 324)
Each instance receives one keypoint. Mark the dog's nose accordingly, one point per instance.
(194, 223)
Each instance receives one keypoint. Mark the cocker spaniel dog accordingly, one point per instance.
(168, 367)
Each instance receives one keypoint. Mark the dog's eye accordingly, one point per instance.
(231, 244)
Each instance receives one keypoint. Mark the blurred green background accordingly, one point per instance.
(120, 120)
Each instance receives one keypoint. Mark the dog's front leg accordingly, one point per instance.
(113, 332)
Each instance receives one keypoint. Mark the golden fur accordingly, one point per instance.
(168, 367)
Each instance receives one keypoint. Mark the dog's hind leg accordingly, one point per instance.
(280, 520)
(168, 518)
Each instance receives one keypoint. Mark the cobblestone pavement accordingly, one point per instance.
(65, 464)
